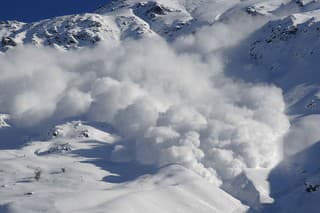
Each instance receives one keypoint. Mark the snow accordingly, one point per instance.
(72, 181)
(162, 106)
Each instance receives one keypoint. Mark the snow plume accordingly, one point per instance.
(168, 107)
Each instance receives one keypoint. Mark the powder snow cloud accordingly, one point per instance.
(169, 104)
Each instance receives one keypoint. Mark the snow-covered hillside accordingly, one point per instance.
(75, 176)
(162, 106)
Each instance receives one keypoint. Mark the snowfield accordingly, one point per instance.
(162, 106)
(75, 176)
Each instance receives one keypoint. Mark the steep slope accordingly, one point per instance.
(285, 52)
(295, 182)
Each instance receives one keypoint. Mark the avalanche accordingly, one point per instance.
(161, 106)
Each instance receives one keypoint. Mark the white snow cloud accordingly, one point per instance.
(170, 105)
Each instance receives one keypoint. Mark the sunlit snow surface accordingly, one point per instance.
(162, 106)
(80, 178)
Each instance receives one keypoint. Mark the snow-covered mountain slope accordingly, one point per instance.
(71, 172)
(285, 53)
(178, 106)
(117, 20)
(74, 31)
(122, 19)
(295, 182)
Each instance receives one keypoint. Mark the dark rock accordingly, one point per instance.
(7, 41)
